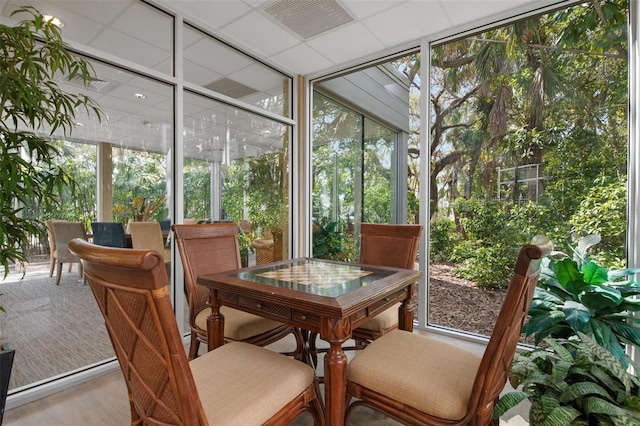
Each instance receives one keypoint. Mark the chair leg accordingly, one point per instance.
(59, 274)
(300, 345)
(70, 266)
(52, 266)
(194, 346)
(313, 349)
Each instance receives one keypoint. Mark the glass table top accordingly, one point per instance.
(315, 276)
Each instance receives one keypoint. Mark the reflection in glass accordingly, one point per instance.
(120, 170)
(218, 67)
(365, 124)
(236, 168)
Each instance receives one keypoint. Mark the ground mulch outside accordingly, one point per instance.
(459, 304)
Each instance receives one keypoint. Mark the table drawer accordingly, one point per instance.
(388, 301)
(256, 306)
(306, 318)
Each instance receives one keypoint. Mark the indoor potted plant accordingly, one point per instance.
(32, 57)
(573, 381)
(575, 294)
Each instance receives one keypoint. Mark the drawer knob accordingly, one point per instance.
(304, 317)
(259, 305)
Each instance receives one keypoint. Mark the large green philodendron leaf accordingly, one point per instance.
(598, 297)
(594, 274)
(576, 314)
(569, 276)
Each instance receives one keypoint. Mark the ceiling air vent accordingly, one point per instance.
(308, 18)
(94, 83)
(231, 88)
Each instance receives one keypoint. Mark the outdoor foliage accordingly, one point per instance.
(32, 56)
(442, 239)
(550, 93)
(573, 382)
(329, 242)
(576, 295)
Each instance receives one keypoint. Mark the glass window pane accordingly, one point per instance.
(529, 137)
(357, 176)
(236, 168)
(120, 167)
(223, 69)
(131, 30)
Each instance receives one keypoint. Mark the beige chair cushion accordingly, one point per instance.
(239, 325)
(384, 320)
(422, 372)
(250, 383)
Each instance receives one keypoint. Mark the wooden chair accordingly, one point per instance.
(211, 248)
(63, 232)
(237, 384)
(423, 380)
(395, 246)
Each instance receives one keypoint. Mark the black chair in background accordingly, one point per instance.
(165, 226)
(110, 234)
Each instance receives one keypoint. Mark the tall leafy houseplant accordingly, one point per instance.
(575, 294)
(32, 57)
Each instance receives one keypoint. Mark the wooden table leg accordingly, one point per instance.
(335, 332)
(407, 309)
(215, 322)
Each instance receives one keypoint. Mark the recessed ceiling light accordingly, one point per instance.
(53, 20)
(139, 96)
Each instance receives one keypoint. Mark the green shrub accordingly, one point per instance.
(442, 239)
(604, 212)
(490, 267)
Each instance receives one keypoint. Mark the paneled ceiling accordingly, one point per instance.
(298, 37)
(372, 26)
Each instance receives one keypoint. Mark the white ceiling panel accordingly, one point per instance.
(407, 21)
(251, 31)
(155, 29)
(307, 59)
(346, 43)
(363, 9)
(214, 13)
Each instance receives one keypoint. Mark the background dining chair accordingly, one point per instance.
(211, 248)
(237, 384)
(393, 245)
(52, 246)
(147, 235)
(110, 234)
(423, 380)
(64, 232)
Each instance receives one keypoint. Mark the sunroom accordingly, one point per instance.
(299, 123)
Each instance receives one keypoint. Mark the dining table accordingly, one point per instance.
(328, 297)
